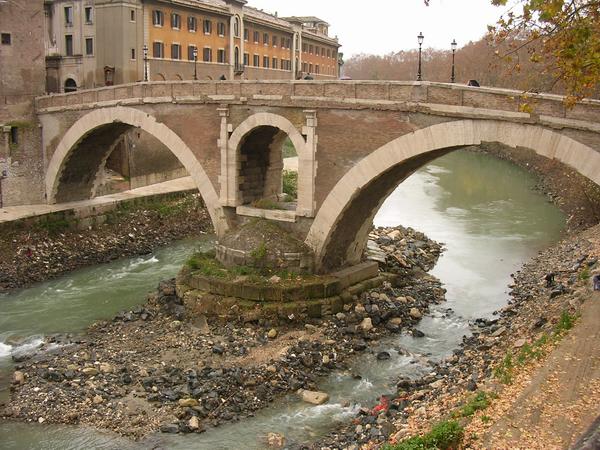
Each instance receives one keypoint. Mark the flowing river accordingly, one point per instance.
(484, 210)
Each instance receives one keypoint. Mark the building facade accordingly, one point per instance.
(91, 43)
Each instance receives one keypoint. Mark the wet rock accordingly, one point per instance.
(275, 440)
(417, 333)
(383, 356)
(313, 397)
(415, 313)
(171, 428)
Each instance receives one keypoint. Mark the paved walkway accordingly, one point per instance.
(21, 212)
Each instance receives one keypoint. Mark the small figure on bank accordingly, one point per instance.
(223, 78)
(596, 282)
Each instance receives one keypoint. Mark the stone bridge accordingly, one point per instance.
(356, 142)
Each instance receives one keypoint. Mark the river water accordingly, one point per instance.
(485, 212)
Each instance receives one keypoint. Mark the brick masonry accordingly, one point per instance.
(356, 140)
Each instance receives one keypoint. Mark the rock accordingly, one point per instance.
(18, 377)
(272, 334)
(417, 333)
(519, 343)
(415, 313)
(437, 384)
(381, 356)
(359, 309)
(275, 440)
(90, 371)
(175, 325)
(271, 369)
(171, 428)
(106, 368)
(97, 399)
(274, 279)
(313, 397)
(395, 321)
(340, 316)
(326, 359)
(499, 332)
(188, 402)
(194, 423)
(218, 350)
(366, 324)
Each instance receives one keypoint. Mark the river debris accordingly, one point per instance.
(153, 368)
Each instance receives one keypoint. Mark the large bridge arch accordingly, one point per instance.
(340, 229)
(304, 147)
(88, 142)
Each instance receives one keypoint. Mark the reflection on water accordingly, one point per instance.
(483, 209)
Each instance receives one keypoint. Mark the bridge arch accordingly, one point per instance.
(72, 169)
(340, 229)
(276, 127)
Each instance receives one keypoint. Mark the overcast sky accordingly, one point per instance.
(383, 26)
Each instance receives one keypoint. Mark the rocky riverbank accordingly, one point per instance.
(156, 368)
(545, 299)
(50, 249)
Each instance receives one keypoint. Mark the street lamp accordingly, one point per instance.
(145, 62)
(195, 63)
(453, 45)
(420, 38)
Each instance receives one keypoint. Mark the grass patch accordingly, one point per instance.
(585, 274)
(478, 402)
(290, 183)
(565, 323)
(259, 253)
(53, 226)
(265, 203)
(445, 435)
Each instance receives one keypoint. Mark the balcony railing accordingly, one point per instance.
(238, 68)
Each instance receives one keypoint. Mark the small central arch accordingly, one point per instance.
(74, 166)
(339, 232)
(254, 162)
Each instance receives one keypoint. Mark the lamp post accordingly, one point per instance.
(195, 63)
(453, 46)
(145, 62)
(420, 38)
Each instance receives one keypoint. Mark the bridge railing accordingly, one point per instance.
(351, 91)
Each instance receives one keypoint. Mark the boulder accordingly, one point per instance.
(415, 313)
(366, 324)
(188, 402)
(313, 397)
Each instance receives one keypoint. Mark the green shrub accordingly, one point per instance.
(289, 151)
(290, 183)
(478, 402)
(565, 323)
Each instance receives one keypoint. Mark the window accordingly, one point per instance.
(256, 61)
(310, 68)
(69, 16)
(158, 50)
(207, 26)
(14, 135)
(304, 47)
(69, 45)
(246, 34)
(317, 69)
(274, 65)
(132, 15)
(207, 54)
(175, 51)
(192, 24)
(191, 49)
(246, 59)
(288, 43)
(256, 37)
(274, 41)
(5, 38)
(304, 67)
(221, 55)
(221, 29)
(88, 14)
(158, 18)
(236, 27)
(283, 42)
(266, 62)
(89, 46)
(266, 38)
(133, 54)
(310, 49)
(317, 51)
(175, 21)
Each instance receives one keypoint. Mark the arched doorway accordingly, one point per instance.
(70, 85)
